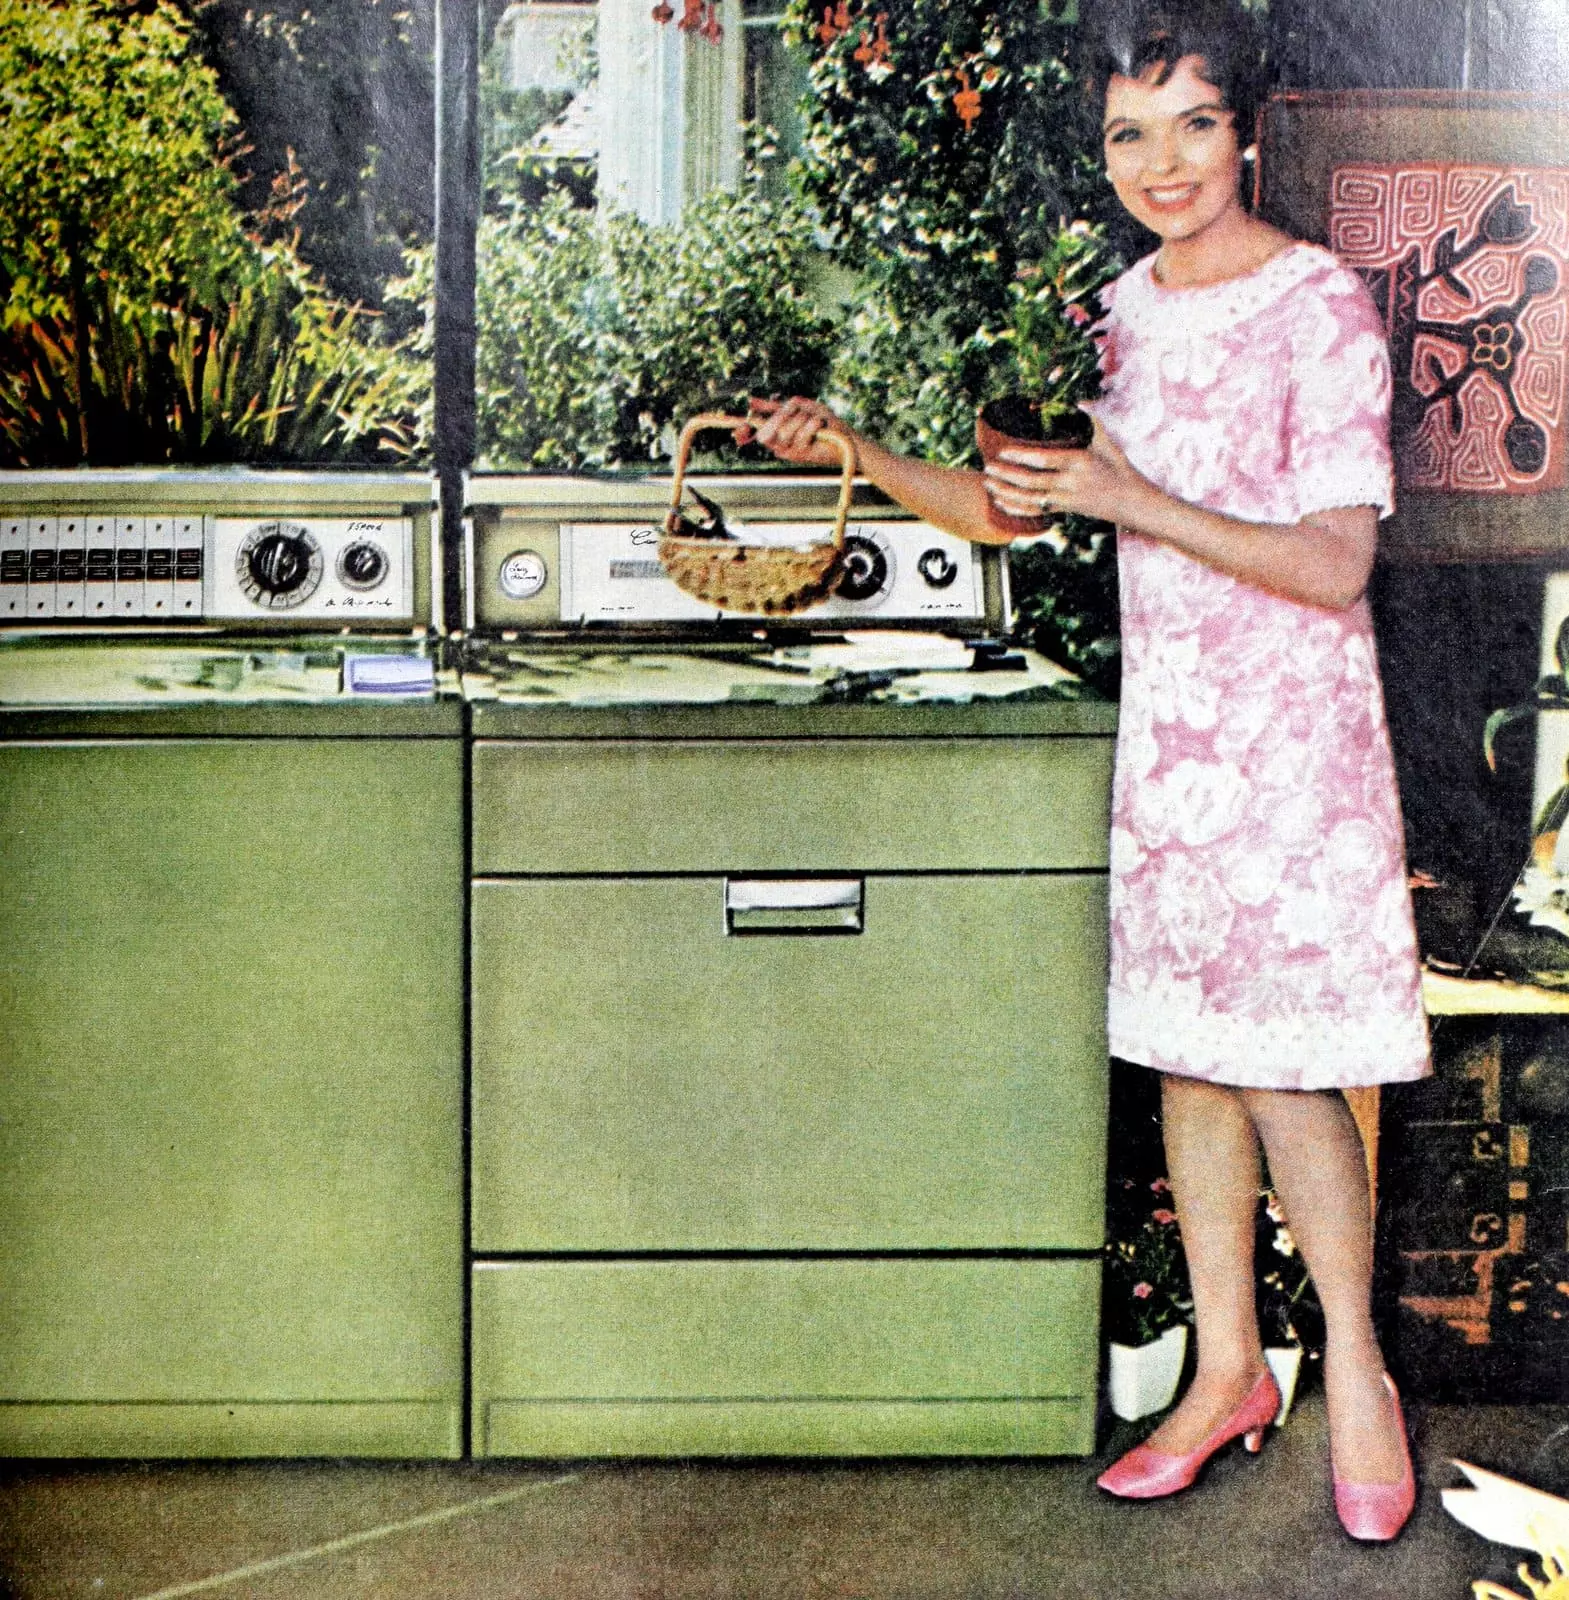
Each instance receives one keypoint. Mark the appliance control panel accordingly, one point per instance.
(151, 566)
(892, 571)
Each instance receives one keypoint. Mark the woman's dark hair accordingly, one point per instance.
(1134, 38)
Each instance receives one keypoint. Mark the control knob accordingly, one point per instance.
(279, 565)
(866, 568)
(362, 565)
(937, 567)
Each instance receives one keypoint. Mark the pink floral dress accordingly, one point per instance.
(1261, 930)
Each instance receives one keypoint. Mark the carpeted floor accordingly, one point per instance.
(853, 1531)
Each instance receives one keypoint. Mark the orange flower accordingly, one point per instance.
(691, 16)
(662, 12)
(967, 102)
(874, 52)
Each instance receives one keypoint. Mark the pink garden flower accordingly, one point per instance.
(1142, 1291)
(1164, 1216)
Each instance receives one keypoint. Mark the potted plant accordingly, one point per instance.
(1288, 1310)
(1054, 362)
(1145, 1301)
(1531, 942)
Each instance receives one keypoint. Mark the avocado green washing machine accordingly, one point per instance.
(788, 1063)
(231, 1019)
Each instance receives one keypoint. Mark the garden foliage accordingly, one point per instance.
(947, 148)
(951, 156)
(140, 319)
(343, 92)
(598, 333)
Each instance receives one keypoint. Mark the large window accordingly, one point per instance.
(220, 212)
(209, 212)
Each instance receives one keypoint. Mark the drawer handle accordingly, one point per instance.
(794, 905)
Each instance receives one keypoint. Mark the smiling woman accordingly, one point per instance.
(1262, 950)
(1172, 156)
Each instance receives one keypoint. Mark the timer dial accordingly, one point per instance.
(279, 565)
(868, 568)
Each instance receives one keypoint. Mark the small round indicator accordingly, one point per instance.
(278, 565)
(362, 565)
(523, 574)
(937, 567)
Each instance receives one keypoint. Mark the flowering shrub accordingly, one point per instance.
(953, 168)
(944, 144)
(597, 332)
(1145, 1289)
(1288, 1309)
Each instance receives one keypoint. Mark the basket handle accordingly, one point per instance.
(714, 419)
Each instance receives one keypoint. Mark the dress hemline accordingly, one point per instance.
(1309, 1083)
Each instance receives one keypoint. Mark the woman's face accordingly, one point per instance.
(1171, 151)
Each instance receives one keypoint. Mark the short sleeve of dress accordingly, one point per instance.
(1337, 426)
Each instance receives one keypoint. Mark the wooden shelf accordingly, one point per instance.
(1447, 996)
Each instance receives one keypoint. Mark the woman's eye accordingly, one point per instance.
(1202, 124)
(1122, 136)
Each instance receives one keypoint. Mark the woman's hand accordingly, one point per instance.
(1095, 482)
(790, 428)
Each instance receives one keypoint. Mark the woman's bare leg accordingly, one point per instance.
(1212, 1159)
(1317, 1166)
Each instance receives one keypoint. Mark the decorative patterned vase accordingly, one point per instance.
(1014, 422)
(1143, 1377)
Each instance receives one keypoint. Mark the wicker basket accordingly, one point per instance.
(758, 579)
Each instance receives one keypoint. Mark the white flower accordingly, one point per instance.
(1138, 752)
(1250, 868)
(1194, 911)
(1242, 720)
(1545, 896)
(1148, 817)
(1295, 820)
(1127, 854)
(1206, 799)
(1391, 917)
(1356, 859)
(1177, 689)
(1156, 992)
(1305, 916)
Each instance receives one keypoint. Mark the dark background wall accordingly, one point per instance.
(1456, 641)
(1422, 44)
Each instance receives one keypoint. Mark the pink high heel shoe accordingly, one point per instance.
(1376, 1512)
(1145, 1474)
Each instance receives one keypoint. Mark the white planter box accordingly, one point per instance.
(1144, 1377)
(1285, 1361)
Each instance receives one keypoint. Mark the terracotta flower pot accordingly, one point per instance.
(1142, 1379)
(1014, 422)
